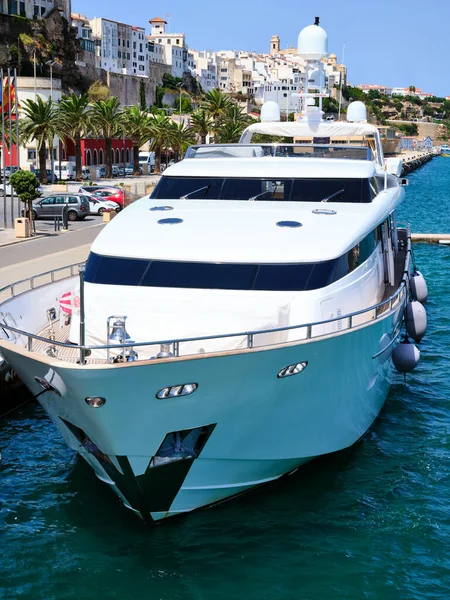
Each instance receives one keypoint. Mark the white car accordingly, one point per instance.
(98, 207)
(40, 189)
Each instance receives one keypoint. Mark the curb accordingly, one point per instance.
(21, 241)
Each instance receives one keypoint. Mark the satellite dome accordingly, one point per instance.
(270, 111)
(313, 42)
(356, 112)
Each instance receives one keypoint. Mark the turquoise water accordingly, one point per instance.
(372, 522)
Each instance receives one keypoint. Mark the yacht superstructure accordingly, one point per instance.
(229, 328)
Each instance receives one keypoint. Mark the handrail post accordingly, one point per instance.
(250, 340)
(82, 270)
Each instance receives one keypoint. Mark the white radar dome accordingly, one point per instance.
(313, 43)
(270, 111)
(356, 112)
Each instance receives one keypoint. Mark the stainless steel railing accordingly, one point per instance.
(376, 311)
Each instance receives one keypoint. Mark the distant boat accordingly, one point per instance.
(445, 150)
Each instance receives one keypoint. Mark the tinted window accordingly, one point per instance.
(137, 272)
(293, 190)
(47, 201)
(175, 187)
(256, 189)
(330, 190)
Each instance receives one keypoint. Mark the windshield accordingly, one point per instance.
(288, 190)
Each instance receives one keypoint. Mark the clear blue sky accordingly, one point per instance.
(387, 42)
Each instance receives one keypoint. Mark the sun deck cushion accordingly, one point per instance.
(158, 314)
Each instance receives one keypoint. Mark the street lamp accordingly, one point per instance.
(180, 85)
(50, 63)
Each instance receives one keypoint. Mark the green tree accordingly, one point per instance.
(74, 122)
(137, 127)
(408, 128)
(40, 124)
(181, 137)
(107, 122)
(98, 91)
(160, 133)
(230, 125)
(170, 82)
(216, 104)
(142, 97)
(201, 124)
(186, 105)
(26, 186)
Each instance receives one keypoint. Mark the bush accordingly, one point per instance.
(408, 128)
(26, 186)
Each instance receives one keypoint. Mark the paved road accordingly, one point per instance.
(33, 249)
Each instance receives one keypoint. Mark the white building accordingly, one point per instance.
(25, 91)
(174, 44)
(205, 67)
(83, 30)
(120, 48)
(35, 8)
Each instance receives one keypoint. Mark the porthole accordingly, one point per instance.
(175, 391)
(292, 370)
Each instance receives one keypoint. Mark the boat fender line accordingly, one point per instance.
(418, 286)
(415, 320)
(405, 356)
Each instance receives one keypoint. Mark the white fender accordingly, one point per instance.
(416, 320)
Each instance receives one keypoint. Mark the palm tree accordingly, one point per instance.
(160, 132)
(201, 124)
(216, 103)
(181, 137)
(231, 124)
(229, 133)
(40, 124)
(107, 122)
(74, 122)
(137, 127)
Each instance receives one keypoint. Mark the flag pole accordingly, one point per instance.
(10, 144)
(16, 99)
(5, 224)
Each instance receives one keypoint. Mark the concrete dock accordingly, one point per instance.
(431, 238)
(414, 160)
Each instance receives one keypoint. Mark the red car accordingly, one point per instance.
(105, 193)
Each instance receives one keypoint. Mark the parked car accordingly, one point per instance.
(48, 172)
(85, 173)
(9, 170)
(104, 192)
(129, 170)
(99, 206)
(115, 171)
(67, 170)
(40, 189)
(52, 206)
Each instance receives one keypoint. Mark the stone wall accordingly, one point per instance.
(127, 88)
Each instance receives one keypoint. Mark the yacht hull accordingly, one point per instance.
(243, 426)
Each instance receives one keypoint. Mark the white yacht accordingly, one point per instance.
(231, 327)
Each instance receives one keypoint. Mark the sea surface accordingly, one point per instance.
(372, 522)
